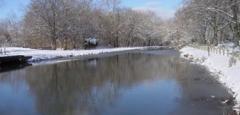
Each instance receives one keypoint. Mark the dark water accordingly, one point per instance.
(150, 83)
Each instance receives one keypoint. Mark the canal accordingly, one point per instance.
(140, 83)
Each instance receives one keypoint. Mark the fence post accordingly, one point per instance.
(208, 49)
(224, 52)
(227, 52)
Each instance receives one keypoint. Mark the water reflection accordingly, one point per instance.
(131, 84)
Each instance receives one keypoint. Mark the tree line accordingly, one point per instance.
(66, 23)
(209, 21)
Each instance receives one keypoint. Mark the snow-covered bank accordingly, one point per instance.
(227, 68)
(41, 55)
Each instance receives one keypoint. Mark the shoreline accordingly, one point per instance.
(219, 66)
(39, 56)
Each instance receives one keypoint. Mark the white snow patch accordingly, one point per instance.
(228, 74)
(39, 55)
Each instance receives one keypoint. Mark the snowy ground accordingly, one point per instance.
(225, 66)
(41, 55)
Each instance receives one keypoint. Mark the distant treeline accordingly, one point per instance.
(67, 23)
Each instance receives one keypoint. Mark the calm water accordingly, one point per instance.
(149, 83)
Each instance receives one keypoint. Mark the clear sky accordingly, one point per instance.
(164, 8)
(13, 8)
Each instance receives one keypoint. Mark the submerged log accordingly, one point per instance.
(15, 60)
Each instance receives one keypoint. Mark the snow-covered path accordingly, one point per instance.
(227, 68)
(41, 55)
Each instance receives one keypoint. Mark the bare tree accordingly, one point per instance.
(46, 14)
(66, 23)
(211, 21)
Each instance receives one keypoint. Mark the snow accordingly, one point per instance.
(230, 46)
(227, 68)
(227, 45)
(41, 55)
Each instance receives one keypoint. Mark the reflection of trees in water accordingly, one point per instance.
(15, 78)
(79, 88)
(88, 87)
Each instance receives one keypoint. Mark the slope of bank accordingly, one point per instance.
(226, 68)
(42, 55)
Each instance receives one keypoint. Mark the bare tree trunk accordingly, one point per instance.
(236, 27)
(54, 44)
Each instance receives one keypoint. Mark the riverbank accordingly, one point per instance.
(226, 68)
(46, 55)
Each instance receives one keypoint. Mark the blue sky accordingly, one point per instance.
(13, 8)
(164, 8)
